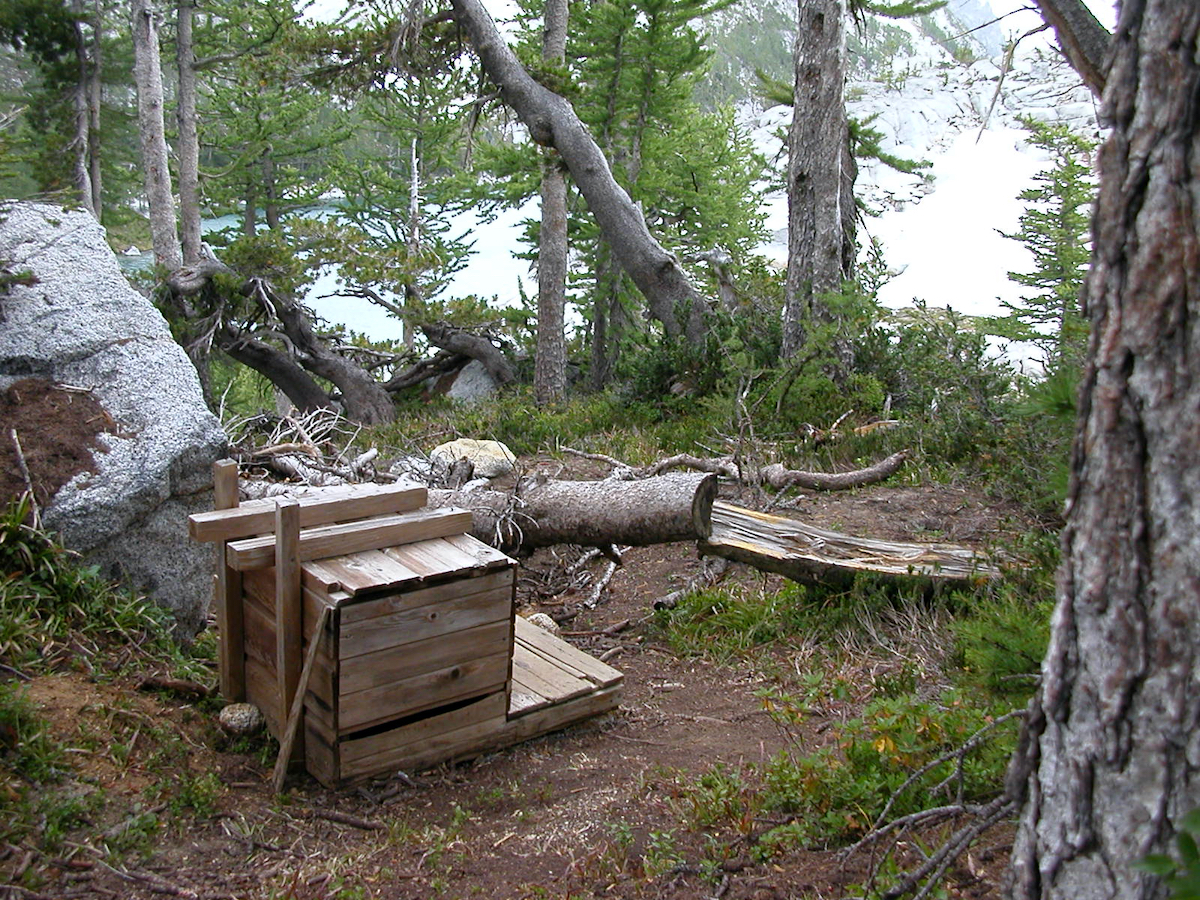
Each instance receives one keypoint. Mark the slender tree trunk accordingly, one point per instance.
(1084, 41)
(1111, 758)
(271, 192)
(818, 153)
(147, 75)
(412, 291)
(81, 143)
(95, 99)
(189, 139)
(550, 365)
(250, 213)
(551, 121)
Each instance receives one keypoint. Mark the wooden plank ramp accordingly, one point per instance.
(806, 553)
(561, 681)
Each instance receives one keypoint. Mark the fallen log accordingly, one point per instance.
(674, 507)
(809, 554)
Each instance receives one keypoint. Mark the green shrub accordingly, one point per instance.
(47, 597)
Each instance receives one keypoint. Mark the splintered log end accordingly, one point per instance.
(702, 506)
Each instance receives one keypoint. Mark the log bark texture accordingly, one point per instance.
(675, 507)
(821, 171)
(550, 362)
(1111, 760)
(552, 122)
(1083, 40)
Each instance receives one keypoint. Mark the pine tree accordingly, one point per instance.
(1055, 228)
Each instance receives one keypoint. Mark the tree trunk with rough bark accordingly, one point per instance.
(550, 364)
(670, 295)
(1111, 759)
(81, 144)
(820, 246)
(147, 76)
(1083, 40)
(188, 145)
(95, 98)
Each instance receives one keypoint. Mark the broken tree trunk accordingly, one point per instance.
(774, 475)
(552, 122)
(809, 554)
(674, 507)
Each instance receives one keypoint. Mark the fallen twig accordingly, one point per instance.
(593, 599)
(330, 815)
(154, 882)
(176, 685)
(37, 513)
(712, 572)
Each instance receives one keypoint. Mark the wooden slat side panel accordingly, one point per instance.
(357, 611)
(338, 505)
(352, 537)
(486, 736)
(441, 618)
(560, 715)
(430, 737)
(260, 645)
(396, 663)
(260, 690)
(485, 709)
(553, 647)
(231, 628)
(320, 754)
(413, 695)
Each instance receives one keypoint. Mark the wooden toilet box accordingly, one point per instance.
(398, 629)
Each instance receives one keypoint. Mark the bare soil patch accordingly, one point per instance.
(574, 814)
(57, 429)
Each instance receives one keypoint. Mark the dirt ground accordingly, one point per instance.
(573, 814)
(593, 811)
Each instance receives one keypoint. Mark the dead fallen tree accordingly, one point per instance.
(809, 554)
(539, 513)
(774, 475)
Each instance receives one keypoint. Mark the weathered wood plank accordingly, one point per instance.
(228, 598)
(396, 663)
(289, 609)
(353, 537)
(296, 712)
(368, 570)
(331, 505)
(353, 613)
(486, 736)
(444, 618)
(371, 754)
(534, 674)
(806, 553)
(425, 691)
(481, 552)
(558, 649)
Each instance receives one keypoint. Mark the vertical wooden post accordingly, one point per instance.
(289, 611)
(228, 599)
